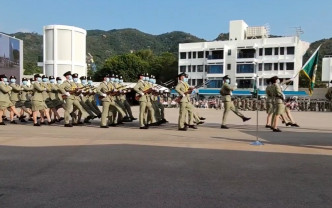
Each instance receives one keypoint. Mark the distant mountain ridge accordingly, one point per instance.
(102, 44)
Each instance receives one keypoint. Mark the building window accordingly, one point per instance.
(267, 66)
(229, 66)
(290, 50)
(189, 68)
(189, 55)
(217, 54)
(245, 83)
(183, 55)
(246, 53)
(275, 66)
(199, 81)
(189, 81)
(194, 54)
(193, 68)
(290, 66)
(214, 83)
(276, 51)
(229, 52)
(261, 52)
(200, 54)
(268, 51)
(260, 67)
(281, 66)
(215, 69)
(282, 51)
(207, 54)
(183, 69)
(206, 68)
(200, 68)
(193, 82)
(245, 68)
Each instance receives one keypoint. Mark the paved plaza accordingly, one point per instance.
(86, 166)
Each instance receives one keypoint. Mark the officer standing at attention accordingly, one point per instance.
(185, 106)
(226, 92)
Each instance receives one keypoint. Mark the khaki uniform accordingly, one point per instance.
(38, 102)
(46, 95)
(226, 92)
(91, 101)
(82, 99)
(144, 103)
(4, 96)
(185, 105)
(107, 102)
(55, 95)
(269, 100)
(15, 95)
(25, 95)
(71, 101)
(279, 106)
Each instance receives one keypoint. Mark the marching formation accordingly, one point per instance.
(42, 99)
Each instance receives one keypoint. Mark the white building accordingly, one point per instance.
(64, 50)
(249, 50)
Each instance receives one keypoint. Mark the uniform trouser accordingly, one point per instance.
(185, 107)
(107, 106)
(229, 106)
(143, 106)
(118, 111)
(93, 106)
(86, 107)
(69, 108)
(196, 117)
(161, 109)
(128, 108)
(157, 113)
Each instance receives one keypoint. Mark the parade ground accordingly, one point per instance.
(86, 166)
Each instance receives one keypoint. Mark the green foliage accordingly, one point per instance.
(163, 66)
(31, 68)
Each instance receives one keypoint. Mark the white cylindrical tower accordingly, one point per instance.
(64, 50)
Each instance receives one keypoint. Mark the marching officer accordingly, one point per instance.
(226, 92)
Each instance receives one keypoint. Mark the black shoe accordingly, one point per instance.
(99, 116)
(202, 118)
(49, 123)
(2, 123)
(36, 124)
(61, 118)
(43, 123)
(295, 125)
(183, 129)
(132, 118)
(164, 120)
(245, 119)
(38, 117)
(5, 118)
(268, 126)
(276, 130)
(30, 119)
(288, 124)
(104, 127)
(155, 124)
(224, 127)
(87, 121)
(144, 127)
(192, 126)
(201, 122)
(23, 120)
(21, 117)
(13, 122)
(114, 125)
(68, 125)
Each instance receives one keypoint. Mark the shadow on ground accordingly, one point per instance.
(148, 176)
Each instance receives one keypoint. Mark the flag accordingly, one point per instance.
(310, 69)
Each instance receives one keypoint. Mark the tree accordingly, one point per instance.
(31, 68)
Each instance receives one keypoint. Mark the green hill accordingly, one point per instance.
(102, 44)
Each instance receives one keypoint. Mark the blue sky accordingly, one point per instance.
(203, 18)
